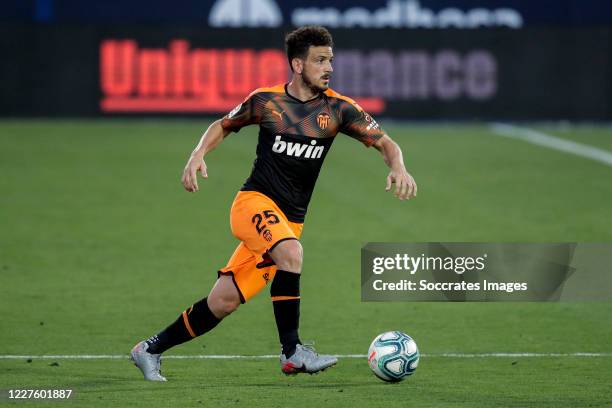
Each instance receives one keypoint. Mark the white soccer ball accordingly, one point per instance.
(393, 356)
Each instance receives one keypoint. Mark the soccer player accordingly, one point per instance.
(298, 122)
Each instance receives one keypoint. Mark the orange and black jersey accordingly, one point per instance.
(294, 138)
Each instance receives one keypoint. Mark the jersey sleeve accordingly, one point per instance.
(249, 112)
(358, 124)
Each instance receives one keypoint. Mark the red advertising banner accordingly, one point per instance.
(184, 79)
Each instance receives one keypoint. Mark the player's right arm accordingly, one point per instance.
(247, 113)
(209, 140)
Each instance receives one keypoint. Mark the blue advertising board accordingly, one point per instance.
(399, 14)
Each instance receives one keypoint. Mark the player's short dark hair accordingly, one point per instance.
(300, 40)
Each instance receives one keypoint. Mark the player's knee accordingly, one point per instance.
(224, 306)
(288, 256)
(224, 297)
(228, 306)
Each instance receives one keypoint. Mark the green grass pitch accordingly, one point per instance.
(101, 247)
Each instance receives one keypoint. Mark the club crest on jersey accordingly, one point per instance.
(323, 120)
(307, 151)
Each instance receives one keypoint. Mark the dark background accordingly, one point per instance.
(540, 12)
(557, 66)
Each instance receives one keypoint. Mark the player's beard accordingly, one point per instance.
(312, 85)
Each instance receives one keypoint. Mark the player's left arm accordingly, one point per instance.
(361, 126)
(405, 186)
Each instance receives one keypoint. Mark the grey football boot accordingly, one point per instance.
(149, 364)
(306, 360)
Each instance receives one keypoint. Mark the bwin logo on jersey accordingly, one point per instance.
(308, 151)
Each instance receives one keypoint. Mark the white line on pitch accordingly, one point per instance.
(271, 356)
(542, 139)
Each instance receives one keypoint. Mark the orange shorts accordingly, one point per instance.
(257, 221)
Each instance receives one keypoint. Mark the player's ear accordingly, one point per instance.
(298, 65)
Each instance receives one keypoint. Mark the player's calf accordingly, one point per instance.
(285, 294)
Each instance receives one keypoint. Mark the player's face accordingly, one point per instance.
(318, 68)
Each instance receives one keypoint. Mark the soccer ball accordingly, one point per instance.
(393, 356)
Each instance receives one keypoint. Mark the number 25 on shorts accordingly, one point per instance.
(268, 215)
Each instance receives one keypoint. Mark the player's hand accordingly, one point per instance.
(190, 173)
(405, 186)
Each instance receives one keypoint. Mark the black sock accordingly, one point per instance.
(285, 293)
(193, 322)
